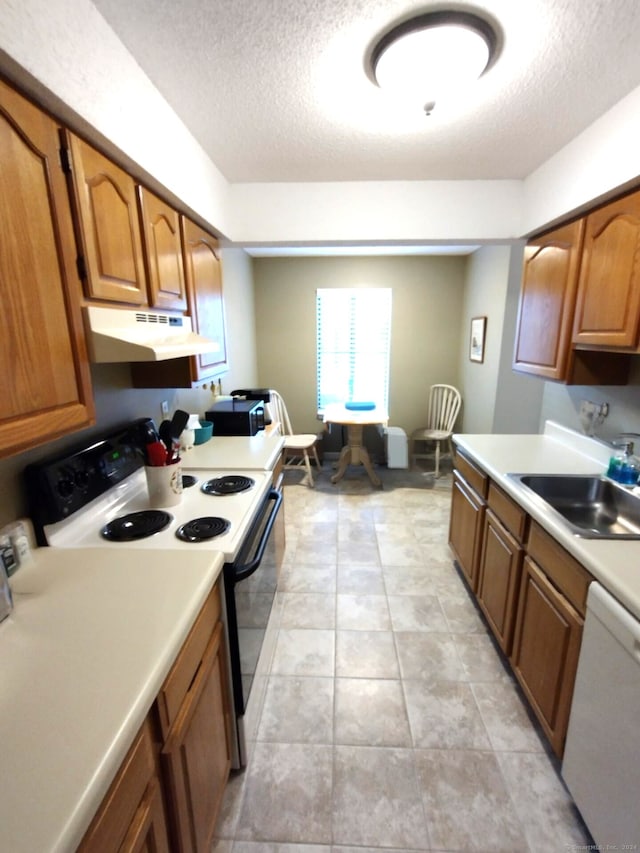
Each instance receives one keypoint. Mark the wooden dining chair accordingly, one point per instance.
(297, 446)
(444, 405)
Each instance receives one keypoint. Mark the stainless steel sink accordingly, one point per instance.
(592, 507)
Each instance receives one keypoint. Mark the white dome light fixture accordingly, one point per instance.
(433, 55)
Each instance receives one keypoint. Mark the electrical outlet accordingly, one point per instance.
(164, 408)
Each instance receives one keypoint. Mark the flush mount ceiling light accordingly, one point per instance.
(433, 55)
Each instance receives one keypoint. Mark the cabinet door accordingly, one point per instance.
(545, 651)
(499, 579)
(204, 282)
(148, 830)
(547, 302)
(47, 383)
(608, 307)
(107, 226)
(131, 816)
(465, 528)
(162, 252)
(197, 755)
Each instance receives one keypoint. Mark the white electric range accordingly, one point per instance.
(97, 496)
(125, 518)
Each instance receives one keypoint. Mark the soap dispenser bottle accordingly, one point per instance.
(622, 465)
(615, 465)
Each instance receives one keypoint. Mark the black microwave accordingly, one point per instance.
(236, 417)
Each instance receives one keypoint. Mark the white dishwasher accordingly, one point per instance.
(601, 763)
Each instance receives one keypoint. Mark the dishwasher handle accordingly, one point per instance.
(621, 624)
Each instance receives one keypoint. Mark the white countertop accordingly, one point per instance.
(82, 658)
(615, 563)
(258, 452)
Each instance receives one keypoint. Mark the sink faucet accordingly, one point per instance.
(623, 444)
(626, 439)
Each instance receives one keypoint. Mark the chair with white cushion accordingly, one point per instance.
(444, 405)
(296, 446)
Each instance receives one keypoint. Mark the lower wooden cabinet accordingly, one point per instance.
(545, 651)
(131, 817)
(499, 579)
(168, 792)
(194, 712)
(196, 757)
(531, 591)
(148, 829)
(465, 528)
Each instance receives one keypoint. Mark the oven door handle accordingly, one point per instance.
(243, 571)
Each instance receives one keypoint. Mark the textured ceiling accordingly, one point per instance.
(276, 90)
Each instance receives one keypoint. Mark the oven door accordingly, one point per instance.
(250, 589)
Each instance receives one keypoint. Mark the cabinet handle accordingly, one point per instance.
(195, 675)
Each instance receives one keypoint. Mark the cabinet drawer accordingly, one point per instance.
(179, 679)
(508, 511)
(474, 476)
(562, 569)
(110, 825)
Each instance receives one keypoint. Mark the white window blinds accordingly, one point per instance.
(353, 337)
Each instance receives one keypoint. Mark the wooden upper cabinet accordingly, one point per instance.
(547, 301)
(608, 306)
(203, 276)
(47, 387)
(162, 252)
(203, 272)
(107, 226)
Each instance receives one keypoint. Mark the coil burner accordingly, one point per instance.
(202, 529)
(230, 484)
(136, 525)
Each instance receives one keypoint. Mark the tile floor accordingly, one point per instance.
(389, 720)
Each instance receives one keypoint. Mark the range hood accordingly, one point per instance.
(115, 335)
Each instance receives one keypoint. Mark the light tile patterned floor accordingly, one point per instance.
(390, 720)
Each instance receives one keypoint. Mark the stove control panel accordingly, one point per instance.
(58, 487)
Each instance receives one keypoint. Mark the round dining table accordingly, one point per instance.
(354, 452)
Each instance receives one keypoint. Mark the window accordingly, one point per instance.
(353, 336)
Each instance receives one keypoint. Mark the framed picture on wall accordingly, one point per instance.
(476, 343)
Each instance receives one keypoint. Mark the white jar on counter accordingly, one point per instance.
(188, 436)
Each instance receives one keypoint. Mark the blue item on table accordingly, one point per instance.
(359, 407)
